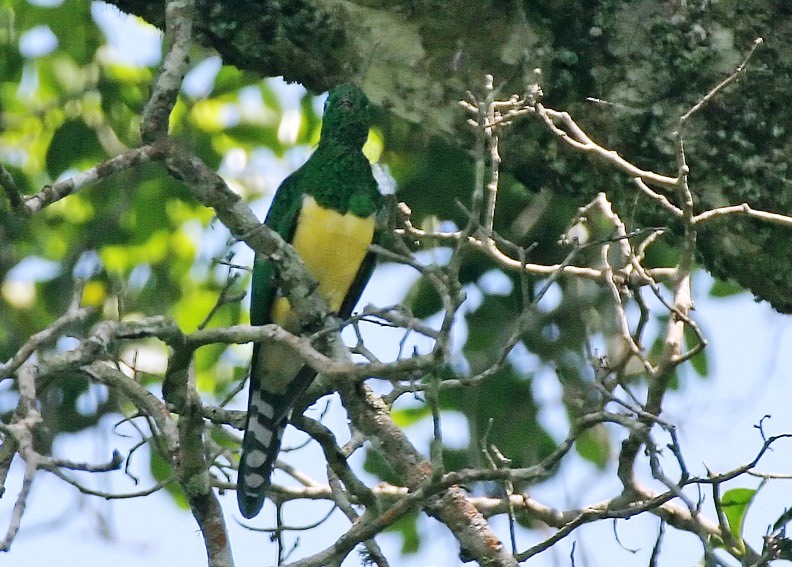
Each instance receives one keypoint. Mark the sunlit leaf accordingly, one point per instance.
(405, 417)
(210, 115)
(735, 504)
(94, 293)
(374, 145)
(230, 79)
(193, 307)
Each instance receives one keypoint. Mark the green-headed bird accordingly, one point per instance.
(326, 210)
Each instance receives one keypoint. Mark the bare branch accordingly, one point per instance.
(41, 338)
(53, 193)
(722, 85)
(19, 506)
(178, 38)
(573, 135)
(372, 417)
(744, 209)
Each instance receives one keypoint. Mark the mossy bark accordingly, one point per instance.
(650, 61)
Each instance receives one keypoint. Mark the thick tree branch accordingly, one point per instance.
(371, 417)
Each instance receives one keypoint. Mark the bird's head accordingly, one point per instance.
(346, 116)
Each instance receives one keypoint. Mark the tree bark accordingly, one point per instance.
(644, 62)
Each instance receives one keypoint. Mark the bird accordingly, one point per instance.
(327, 210)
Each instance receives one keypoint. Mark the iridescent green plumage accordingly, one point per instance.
(326, 209)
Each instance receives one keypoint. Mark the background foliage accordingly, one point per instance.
(137, 244)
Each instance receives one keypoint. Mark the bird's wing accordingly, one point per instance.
(360, 281)
(282, 218)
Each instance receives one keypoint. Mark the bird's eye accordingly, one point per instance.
(345, 103)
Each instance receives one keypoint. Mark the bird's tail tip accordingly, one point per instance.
(260, 447)
(249, 504)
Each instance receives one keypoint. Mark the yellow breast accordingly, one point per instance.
(333, 247)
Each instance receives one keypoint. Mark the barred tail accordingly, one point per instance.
(260, 446)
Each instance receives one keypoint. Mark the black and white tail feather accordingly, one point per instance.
(267, 417)
(260, 448)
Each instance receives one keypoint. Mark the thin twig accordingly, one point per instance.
(723, 84)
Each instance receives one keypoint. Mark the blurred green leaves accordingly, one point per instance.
(137, 240)
(74, 145)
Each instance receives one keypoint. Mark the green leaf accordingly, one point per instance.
(405, 417)
(230, 79)
(437, 169)
(724, 288)
(503, 411)
(162, 472)
(76, 38)
(407, 525)
(73, 145)
(594, 445)
(698, 362)
(423, 299)
(311, 122)
(783, 519)
(250, 136)
(375, 464)
(735, 503)
(224, 439)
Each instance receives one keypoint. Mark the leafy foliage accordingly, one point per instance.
(137, 244)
